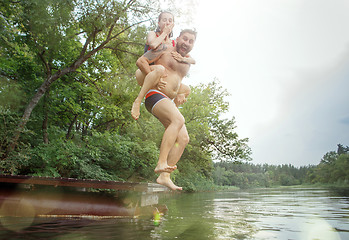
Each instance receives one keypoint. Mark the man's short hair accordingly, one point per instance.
(188, 31)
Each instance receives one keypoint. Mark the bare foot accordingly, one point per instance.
(135, 109)
(164, 168)
(166, 181)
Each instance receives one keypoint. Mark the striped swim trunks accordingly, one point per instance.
(152, 98)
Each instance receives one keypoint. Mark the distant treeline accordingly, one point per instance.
(332, 169)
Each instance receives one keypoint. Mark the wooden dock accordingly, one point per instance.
(83, 183)
(18, 193)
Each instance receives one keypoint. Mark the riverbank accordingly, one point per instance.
(342, 188)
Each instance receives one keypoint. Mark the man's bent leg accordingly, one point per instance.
(179, 146)
(140, 77)
(173, 157)
(173, 121)
(149, 82)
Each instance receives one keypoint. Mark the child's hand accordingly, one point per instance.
(178, 57)
(168, 28)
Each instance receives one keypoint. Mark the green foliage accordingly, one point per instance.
(8, 122)
(210, 136)
(11, 94)
(329, 158)
(192, 180)
(341, 149)
(206, 127)
(333, 167)
(100, 156)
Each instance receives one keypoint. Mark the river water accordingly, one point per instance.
(283, 213)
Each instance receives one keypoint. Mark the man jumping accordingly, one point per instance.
(160, 102)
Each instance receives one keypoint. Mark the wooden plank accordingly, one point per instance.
(85, 183)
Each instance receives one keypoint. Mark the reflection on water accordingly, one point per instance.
(255, 214)
(282, 214)
(61, 229)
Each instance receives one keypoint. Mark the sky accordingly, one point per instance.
(286, 65)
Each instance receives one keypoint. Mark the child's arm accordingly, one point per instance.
(187, 59)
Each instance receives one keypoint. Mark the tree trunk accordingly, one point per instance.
(32, 104)
(67, 136)
(45, 121)
(44, 129)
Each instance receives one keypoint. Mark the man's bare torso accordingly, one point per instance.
(175, 71)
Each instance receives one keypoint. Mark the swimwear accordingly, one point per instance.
(152, 98)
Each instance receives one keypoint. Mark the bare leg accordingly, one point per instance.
(149, 82)
(140, 77)
(173, 157)
(178, 148)
(173, 121)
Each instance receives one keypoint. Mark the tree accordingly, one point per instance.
(329, 158)
(214, 134)
(66, 36)
(341, 170)
(341, 149)
(206, 130)
(333, 167)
